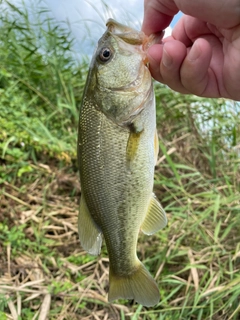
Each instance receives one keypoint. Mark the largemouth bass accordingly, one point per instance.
(117, 151)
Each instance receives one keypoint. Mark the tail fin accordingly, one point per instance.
(139, 286)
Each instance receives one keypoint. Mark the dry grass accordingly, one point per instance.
(46, 275)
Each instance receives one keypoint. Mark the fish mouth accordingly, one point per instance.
(127, 34)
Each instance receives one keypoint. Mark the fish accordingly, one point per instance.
(117, 152)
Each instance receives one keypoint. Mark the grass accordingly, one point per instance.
(44, 272)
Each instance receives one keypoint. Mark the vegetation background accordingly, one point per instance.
(44, 273)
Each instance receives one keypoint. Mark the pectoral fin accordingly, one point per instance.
(89, 234)
(155, 219)
(132, 146)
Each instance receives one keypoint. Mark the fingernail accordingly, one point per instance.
(166, 59)
(194, 52)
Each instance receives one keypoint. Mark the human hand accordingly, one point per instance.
(202, 56)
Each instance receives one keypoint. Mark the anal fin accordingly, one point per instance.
(155, 219)
(89, 234)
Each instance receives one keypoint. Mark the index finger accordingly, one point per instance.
(157, 16)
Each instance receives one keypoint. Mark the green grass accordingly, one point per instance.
(44, 272)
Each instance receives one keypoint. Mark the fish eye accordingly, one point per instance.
(105, 54)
